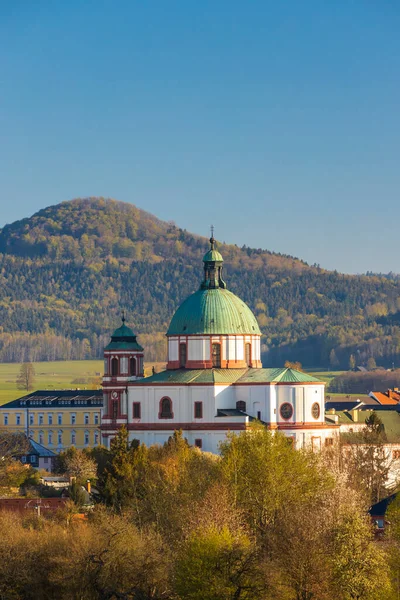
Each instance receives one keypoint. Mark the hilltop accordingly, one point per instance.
(67, 271)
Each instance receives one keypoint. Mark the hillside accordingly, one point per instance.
(67, 271)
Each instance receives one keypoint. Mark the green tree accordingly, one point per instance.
(265, 472)
(218, 564)
(352, 362)
(333, 359)
(26, 377)
(371, 363)
(360, 566)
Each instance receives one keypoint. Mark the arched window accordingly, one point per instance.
(59, 437)
(216, 356)
(241, 405)
(132, 366)
(73, 437)
(86, 438)
(50, 437)
(247, 350)
(165, 409)
(182, 355)
(41, 437)
(114, 367)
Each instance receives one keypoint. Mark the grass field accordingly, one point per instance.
(326, 376)
(58, 375)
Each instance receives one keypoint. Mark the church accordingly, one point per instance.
(214, 381)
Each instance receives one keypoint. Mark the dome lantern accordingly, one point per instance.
(212, 267)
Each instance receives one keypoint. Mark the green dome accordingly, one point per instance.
(123, 338)
(213, 311)
(212, 256)
(123, 331)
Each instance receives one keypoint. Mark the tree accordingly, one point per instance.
(333, 359)
(371, 363)
(218, 564)
(367, 461)
(293, 365)
(265, 472)
(359, 566)
(26, 377)
(352, 362)
(76, 463)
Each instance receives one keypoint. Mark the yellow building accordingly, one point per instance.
(56, 419)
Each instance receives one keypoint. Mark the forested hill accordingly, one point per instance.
(67, 271)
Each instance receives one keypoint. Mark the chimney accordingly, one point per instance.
(390, 394)
(354, 415)
(88, 486)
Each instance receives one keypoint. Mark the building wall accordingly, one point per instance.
(262, 401)
(198, 350)
(79, 424)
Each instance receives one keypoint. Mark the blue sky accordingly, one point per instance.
(278, 122)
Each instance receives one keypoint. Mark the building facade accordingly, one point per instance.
(214, 382)
(56, 419)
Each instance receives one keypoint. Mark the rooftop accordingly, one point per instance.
(57, 398)
(228, 376)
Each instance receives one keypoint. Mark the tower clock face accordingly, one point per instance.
(114, 395)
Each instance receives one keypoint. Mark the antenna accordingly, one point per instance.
(123, 315)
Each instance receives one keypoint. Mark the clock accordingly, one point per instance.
(114, 395)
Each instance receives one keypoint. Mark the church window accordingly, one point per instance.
(286, 411)
(241, 405)
(247, 349)
(198, 443)
(132, 366)
(182, 355)
(198, 410)
(165, 409)
(136, 410)
(315, 410)
(216, 356)
(114, 367)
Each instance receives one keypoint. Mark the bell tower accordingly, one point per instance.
(123, 363)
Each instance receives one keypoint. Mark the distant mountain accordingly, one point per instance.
(68, 271)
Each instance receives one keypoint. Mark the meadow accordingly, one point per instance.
(57, 375)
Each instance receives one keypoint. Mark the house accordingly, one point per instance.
(38, 456)
(58, 418)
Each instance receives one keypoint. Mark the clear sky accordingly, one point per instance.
(278, 122)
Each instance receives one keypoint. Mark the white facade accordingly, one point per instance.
(296, 409)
